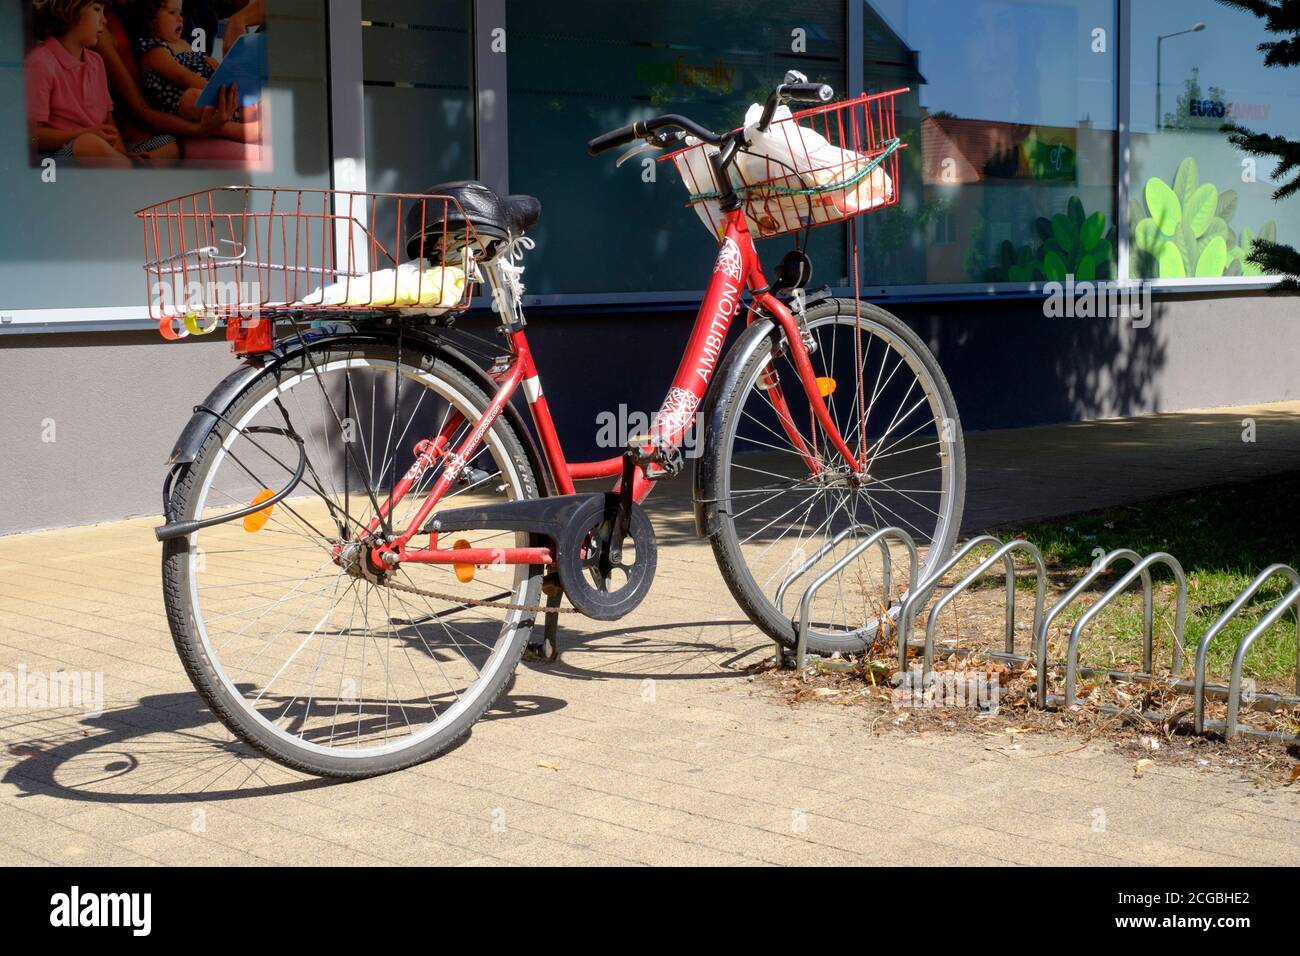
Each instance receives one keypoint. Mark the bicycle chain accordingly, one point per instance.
(477, 602)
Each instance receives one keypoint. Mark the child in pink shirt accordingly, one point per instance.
(69, 107)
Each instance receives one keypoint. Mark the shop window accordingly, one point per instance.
(580, 68)
(1198, 203)
(79, 246)
(1010, 135)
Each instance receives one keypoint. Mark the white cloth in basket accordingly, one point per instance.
(415, 285)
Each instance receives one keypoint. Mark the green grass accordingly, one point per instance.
(1222, 537)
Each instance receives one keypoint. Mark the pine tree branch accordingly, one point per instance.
(1261, 8)
(1281, 53)
(1285, 151)
(1279, 16)
(1279, 260)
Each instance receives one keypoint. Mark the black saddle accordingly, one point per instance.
(492, 217)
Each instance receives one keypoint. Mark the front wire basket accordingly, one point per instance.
(818, 166)
(242, 253)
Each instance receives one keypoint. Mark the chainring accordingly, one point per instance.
(606, 580)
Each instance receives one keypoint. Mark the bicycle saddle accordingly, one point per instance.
(491, 215)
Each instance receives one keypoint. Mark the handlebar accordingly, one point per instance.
(644, 128)
(797, 92)
(800, 92)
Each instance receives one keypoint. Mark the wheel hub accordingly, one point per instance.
(355, 557)
(839, 476)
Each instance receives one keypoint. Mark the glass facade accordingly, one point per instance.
(1014, 127)
(1198, 203)
(581, 68)
(417, 76)
(72, 241)
(1009, 173)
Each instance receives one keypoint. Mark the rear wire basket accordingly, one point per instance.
(849, 167)
(243, 254)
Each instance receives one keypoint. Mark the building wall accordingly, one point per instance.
(88, 419)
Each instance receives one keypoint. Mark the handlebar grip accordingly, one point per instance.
(613, 139)
(808, 92)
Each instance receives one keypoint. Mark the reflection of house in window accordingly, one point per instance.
(889, 62)
(1025, 171)
(971, 150)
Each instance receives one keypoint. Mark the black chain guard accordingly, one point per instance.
(597, 587)
(568, 521)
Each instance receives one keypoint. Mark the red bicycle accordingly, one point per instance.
(361, 527)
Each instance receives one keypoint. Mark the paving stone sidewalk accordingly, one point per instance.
(644, 744)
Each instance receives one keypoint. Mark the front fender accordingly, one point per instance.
(721, 389)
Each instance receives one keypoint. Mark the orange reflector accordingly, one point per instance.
(826, 386)
(258, 519)
(464, 572)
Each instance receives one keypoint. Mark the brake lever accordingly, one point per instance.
(638, 148)
(659, 140)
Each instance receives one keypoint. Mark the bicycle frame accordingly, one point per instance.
(735, 269)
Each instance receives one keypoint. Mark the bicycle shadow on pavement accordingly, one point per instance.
(645, 651)
(169, 749)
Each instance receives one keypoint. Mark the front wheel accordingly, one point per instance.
(782, 506)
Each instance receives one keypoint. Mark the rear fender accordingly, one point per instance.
(207, 414)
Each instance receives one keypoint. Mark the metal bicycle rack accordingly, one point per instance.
(802, 622)
(1002, 554)
(1291, 601)
(1118, 588)
(919, 592)
(1197, 688)
(918, 597)
(1040, 635)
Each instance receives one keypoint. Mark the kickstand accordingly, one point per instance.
(784, 658)
(548, 648)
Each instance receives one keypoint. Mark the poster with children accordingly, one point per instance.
(135, 83)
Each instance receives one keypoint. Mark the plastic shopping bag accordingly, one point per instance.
(696, 170)
(796, 157)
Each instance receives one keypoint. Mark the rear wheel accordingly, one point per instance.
(299, 645)
(780, 523)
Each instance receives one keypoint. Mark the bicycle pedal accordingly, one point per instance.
(656, 457)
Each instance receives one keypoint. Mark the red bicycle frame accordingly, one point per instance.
(736, 268)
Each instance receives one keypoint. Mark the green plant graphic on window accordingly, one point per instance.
(1182, 231)
(1070, 243)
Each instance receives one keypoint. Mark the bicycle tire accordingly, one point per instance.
(194, 653)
